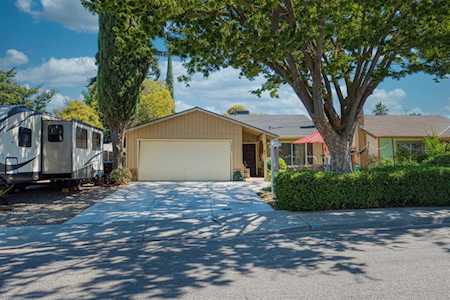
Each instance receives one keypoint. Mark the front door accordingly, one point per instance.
(249, 158)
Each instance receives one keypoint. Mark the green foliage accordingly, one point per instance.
(281, 164)
(236, 108)
(79, 111)
(380, 109)
(434, 146)
(317, 47)
(441, 159)
(155, 101)
(121, 176)
(12, 93)
(381, 187)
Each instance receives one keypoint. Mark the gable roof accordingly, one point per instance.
(406, 126)
(196, 108)
(288, 126)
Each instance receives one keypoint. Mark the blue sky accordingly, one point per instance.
(52, 44)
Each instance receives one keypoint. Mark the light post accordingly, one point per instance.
(274, 151)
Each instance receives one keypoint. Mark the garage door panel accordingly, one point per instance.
(185, 160)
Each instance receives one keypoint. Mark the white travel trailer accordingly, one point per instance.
(37, 146)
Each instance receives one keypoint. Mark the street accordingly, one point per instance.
(379, 264)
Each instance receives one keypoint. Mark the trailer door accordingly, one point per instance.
(57, 147)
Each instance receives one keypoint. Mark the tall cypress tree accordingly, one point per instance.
(169, 75)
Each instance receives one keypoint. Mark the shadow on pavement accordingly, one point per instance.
(79, 262)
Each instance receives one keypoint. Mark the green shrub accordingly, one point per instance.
(282, 167)
(442, 159)
(388, 186)
(121, 176)
(281, 163)
(434, 146)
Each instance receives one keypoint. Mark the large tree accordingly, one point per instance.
(236, 109)
(12, 93)
(155, 101)
(332, 53)
(80, 111)
(380, 109)
(124, 59)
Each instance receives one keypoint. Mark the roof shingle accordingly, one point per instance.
(406, 126)
(282, 125)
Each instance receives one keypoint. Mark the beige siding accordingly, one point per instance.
(195, 125)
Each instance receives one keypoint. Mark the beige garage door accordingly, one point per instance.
(184, 160)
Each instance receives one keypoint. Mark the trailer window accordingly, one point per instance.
(55, 133)
(81, 138)
(96, 141)
(24, 137)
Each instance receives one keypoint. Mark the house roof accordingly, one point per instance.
(287, 126)
(406, 126)
(187, 111)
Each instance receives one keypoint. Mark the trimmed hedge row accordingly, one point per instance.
(398, 186)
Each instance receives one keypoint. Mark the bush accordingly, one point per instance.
(442, 159)
(434, 146)
(282, 167)
(388, 186)
(121, 176)
(281, 163)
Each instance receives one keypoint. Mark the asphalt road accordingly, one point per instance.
(365, 264)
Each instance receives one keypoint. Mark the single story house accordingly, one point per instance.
(196, 144)
(289, 128)
(381, 137)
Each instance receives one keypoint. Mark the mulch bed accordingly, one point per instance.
(47, 204)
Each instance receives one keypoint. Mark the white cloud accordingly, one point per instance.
(224, 88)
(62, 72)
(392, 99)
(70, 13)
(13, 58)
(57, 103)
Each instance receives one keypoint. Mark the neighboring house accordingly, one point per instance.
(196, 144)
(289, 128)
(383, 136)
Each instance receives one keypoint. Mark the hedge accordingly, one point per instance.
(442, 159)
(399, 186)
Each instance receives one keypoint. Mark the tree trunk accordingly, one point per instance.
(117, 137)
(339, 147)
(340, 153)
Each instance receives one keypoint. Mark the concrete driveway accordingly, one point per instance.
(158, 201)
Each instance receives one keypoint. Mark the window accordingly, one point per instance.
(298, 154)
(81, 138)
(55, 133)
(310, 153)
(96, 141)
(24, 137)
(409, 149)
(293, 154)
(286, 153)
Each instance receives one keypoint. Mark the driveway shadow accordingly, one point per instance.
(170, 268)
